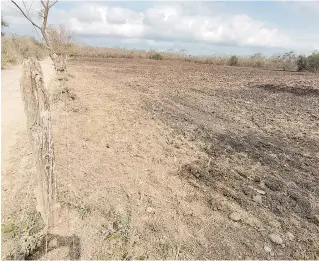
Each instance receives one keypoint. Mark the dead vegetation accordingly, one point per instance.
(27, 235)
(258, 60)
(16, 48)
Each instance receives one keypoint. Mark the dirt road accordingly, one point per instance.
(16, 160)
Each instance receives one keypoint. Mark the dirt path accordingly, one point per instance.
(16, 160)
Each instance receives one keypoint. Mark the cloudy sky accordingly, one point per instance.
(201, 28)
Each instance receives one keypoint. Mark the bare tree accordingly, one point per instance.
(287, 60)
(58, 59)
(44, 13)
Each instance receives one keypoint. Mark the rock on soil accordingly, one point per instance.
(234, 216)
(290, 236)
(150, 210)
(275, 238)
(257, 199)
(267, 249)
(316, 219)
(259, 191)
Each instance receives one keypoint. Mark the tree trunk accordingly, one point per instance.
(37, 108)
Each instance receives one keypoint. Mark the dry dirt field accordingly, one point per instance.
(177, 160)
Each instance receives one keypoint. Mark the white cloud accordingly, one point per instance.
(173, 22)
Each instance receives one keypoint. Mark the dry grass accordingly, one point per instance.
(257, 60)
(15, 48)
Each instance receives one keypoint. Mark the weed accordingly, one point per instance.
(84, 210)
(10, 229)
(233, 60)
(156, 56)
(27, 234)
(60, 94)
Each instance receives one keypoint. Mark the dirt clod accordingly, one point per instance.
(235, 216)
(150, 210)
(267, 249)
(257, 199)
(290, 236)
(275, 238)
(274, 184)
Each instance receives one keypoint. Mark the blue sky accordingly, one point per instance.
(202, 28)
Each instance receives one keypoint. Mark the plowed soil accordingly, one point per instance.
(153, 157)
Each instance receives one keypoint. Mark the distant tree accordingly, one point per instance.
(313, 61)
(287, 60)
(258, 59)
(183, 51)
(3, 24)
(301, 63)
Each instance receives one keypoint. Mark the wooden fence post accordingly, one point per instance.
(37, 109)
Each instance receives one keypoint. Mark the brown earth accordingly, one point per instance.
(153, 157)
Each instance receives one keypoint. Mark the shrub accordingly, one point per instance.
(233, 60)
(287, 60)
(313, 62)
(156, 56)
(301, 63)
(257, 60)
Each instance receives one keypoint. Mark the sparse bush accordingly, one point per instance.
(257, 60)
(287, 60)
(156, 56)
(313, 62)
(233, 60)
(301, 63)
(60, 39)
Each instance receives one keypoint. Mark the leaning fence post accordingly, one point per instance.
(37, 109)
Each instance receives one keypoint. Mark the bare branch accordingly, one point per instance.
(44, 25)
(53, 3)
(42, 2)
(30, 7)
(26, 16)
